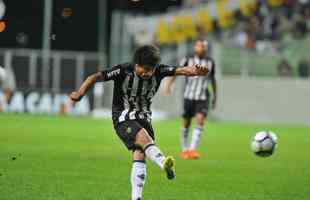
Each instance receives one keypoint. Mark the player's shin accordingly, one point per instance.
(196, 137)
(153, 153)
(167, 164)
(138, 176)
(184, 139)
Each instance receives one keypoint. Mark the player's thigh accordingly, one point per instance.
(148, 128)
(127, 131)
(200, 118)
(201, 112)
(143, 138)
(188, 109)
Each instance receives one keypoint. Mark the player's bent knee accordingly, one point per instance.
(138, 149)
(143, 138)
(138, 154)
(186, 123)
(200, 118)
(200, 122)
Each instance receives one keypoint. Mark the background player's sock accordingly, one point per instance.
(137, 179)
(153, 153)
(196, 137)
(184, 138)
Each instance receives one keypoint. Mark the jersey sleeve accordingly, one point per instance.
(166, 70)
(112, 73)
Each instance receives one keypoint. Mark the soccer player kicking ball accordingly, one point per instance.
(135, 84)
(196, 98)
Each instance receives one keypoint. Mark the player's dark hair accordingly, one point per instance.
(147, 55)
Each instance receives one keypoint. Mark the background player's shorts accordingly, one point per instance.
(128, 130)
(191, 107)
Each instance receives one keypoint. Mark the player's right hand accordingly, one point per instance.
(76, 96)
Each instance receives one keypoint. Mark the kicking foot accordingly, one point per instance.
(169, 167)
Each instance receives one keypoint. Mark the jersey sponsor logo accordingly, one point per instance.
(43, 103)
(113, 73)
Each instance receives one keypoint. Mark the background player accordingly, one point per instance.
(135, 84)
(196, 98)
(7, 85)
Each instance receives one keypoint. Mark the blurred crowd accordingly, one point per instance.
(269, 29)
(272, 24)
(285, 68)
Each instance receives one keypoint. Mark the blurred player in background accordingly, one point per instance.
(196, 98)
(7, 85)
(135, 84)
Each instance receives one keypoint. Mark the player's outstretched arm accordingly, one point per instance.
(168, 86)
(90, 80)
(196, 70)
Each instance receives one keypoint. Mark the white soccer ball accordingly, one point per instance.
(264, 143)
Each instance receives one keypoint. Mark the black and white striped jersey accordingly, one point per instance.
(196, 87)
(132, 95)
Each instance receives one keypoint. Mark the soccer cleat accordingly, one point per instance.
(169, 167)
(185, 155)
(194, 154)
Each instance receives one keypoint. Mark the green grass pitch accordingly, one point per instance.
(60, 158)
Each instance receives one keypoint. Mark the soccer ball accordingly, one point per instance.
(264, 143)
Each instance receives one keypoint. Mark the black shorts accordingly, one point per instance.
(128, 130)
(192, 107)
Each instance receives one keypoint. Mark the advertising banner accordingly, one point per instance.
(35, 102)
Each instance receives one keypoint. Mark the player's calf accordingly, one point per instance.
(153, 153)
(137, 179)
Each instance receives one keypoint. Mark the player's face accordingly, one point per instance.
(144, 72)
(200, 48)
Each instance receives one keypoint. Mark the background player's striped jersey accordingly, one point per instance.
(132, 95)
(196, 87)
